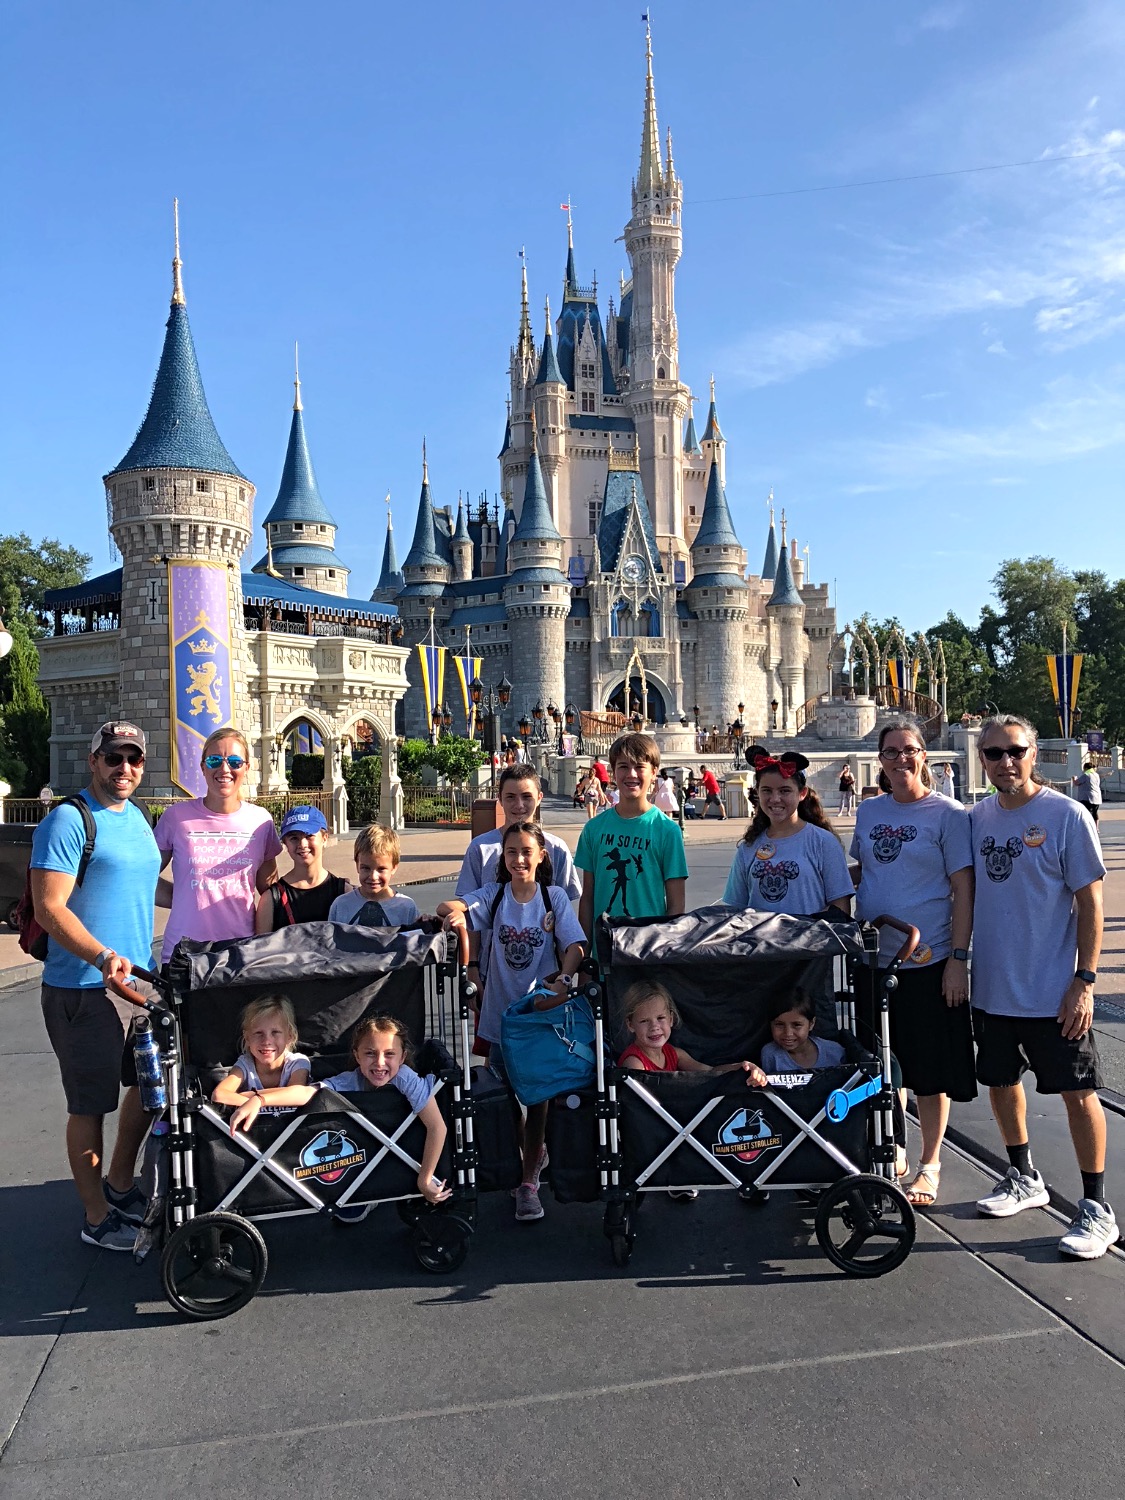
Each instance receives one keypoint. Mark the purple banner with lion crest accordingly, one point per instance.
(199, 658)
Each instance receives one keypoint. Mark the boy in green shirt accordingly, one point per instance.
(631, 856)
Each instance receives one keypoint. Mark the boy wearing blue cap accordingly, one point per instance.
(306, 894)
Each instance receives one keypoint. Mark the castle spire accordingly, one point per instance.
(298, 495)
(651, 170)
(769, 564)
(177, 263)
(391, 581)
(716, 529)
(712, 433)
(536, 522)
(296, 378)
(549, 372)
(525, 342)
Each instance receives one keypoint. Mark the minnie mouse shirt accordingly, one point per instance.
(907, 851)
(800, 875)
(523, 945)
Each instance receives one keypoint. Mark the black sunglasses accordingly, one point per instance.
(998, 752)
(113, 758)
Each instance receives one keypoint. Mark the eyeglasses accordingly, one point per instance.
(114, 758)
(213, 762)
(892, 755)
(998, 752)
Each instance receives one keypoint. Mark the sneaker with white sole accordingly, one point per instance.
(352, 1213)
(1014, 1192)
(540, 1167)
(111, 1234)
(1093, 1231)
(528, 1206)
(130, 1205)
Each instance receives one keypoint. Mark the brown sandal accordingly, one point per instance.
(922, 1191)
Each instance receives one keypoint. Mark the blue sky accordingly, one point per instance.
(930, 374)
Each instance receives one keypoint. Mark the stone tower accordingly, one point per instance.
(176, 496)
(300, 533)
(786, 613)
(536, 599)
(654, 397)
(427, 570)
(719, 598)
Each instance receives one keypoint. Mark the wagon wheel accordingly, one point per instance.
(865, 1225)
(410, 1210)
(213, 1265)
(440, 1242)
(621, 1230)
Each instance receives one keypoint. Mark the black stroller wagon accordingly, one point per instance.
(827, 1133)
(340, 1151)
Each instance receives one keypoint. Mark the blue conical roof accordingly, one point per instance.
(298, 496)
(784, 589)
(424, 548)
(536, 523)
(461, 530)
(507, 443)
(390, 574)
(711, 433)
(691, 442)
(177, 431)
(502, 548)
(769, 566)
(548, 364)
(716, 529)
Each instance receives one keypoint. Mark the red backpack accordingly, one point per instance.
(33, 938)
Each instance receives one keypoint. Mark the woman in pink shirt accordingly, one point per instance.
(223, 851)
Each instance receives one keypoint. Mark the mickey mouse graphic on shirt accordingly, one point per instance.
(519, 944)
(773, 877)
(887, 842)
(998, 858)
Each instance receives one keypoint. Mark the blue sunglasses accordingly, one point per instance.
(213, 762)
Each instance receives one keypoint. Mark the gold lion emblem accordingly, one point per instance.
(201, 694)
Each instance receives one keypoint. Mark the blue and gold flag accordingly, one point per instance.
(903, 673)
(432, 659)
(199, 660)
(467, 667)
(1064, 672)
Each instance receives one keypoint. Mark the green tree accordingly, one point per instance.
(25, 720)
(1101, 624)
(968, 673)
(27, 571)
(1036, 597)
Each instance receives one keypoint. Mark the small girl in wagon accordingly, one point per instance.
(650, 1016)
(267, 1065)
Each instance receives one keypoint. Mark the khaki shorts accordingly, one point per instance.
(91, 1032)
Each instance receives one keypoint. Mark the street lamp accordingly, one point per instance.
(737, 729)
(436, 723)
(556, 719)
(446, 719)
(572, 718)
(525, 732)
(637, 723)
(774, 706)
(539, 727)
(490, 704)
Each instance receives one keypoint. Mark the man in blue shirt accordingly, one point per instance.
(97, 931)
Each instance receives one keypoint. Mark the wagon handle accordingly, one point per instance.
(158, 982)
(462, 936)
(913, 937)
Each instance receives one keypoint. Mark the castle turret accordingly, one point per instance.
(769, 562)
(537, 599)
(426, 573)
(714, 444)
(719, 598)
(786, 614)
(300, 533)
(549, 431)
(391, 581)
(462, 544)
(655, 399)
(177, 496)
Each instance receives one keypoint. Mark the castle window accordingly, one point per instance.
(331, 572)
(298, 572)
(298, 525)
(664, 439)
(595, 516)
(660, 373)
(241, 493)
(691, 510)
(546, 587)
(150, 482)
(202, 486)
(588, 372)
(323, 528)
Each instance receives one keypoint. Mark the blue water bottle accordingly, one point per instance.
(150, 1073)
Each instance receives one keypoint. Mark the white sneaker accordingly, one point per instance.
(1014, 1192)
(1093, 1231)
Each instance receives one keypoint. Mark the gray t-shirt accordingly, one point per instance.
(907, 851)
(775, 1059)
(482, 862)
(1028, 862)
(1088, 788)
(800, 875)
(416, 1090)
(401, 910)
(246, 1069)
(522, 948)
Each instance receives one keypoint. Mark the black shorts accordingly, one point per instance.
(932, 1041)
(1008, 1045)
(90, 1031)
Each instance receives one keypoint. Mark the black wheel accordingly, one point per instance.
(10, 914)
(621, 1230)
(213, 1265)
(865, 1225)
(440, 1242)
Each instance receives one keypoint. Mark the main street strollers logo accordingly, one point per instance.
(746, 1136)
(328, 1156)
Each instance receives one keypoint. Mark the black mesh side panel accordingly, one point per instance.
(572, 1140)
(496, 1117)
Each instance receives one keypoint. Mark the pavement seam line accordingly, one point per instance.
(548, 1398)
(47, 1359)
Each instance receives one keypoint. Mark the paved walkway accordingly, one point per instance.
(728, 1359)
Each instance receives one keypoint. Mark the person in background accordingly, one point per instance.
(306, 894)
(711, 792)
(948, 786)
(520, 795)
(847, 791)
(1088, 789)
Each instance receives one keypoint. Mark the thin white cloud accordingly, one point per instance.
(942, 17)
(875, 399)
(997, 347)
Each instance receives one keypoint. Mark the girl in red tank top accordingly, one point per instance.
(650, 1015)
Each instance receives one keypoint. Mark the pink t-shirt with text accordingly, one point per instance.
(215, 862)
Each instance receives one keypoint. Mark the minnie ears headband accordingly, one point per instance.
(788, 764)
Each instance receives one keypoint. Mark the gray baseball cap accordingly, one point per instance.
(117, 734)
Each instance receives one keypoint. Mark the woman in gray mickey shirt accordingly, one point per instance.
(916, 863)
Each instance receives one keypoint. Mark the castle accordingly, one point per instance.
(615, 546)
(616, 539)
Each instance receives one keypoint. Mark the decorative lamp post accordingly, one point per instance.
(539, 727)
(446, 719)
(737, 729)
(637, 723)
(572, 719)
(774, 706)
(436, 723)
(525, 732)
(556, 719)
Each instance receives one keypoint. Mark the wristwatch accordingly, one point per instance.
(961, 955)
(103, 956)
(1087, 976)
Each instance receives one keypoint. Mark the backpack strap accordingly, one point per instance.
(281, 902)
(89, 828)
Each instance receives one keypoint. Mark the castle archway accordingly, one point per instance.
(627, 699)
